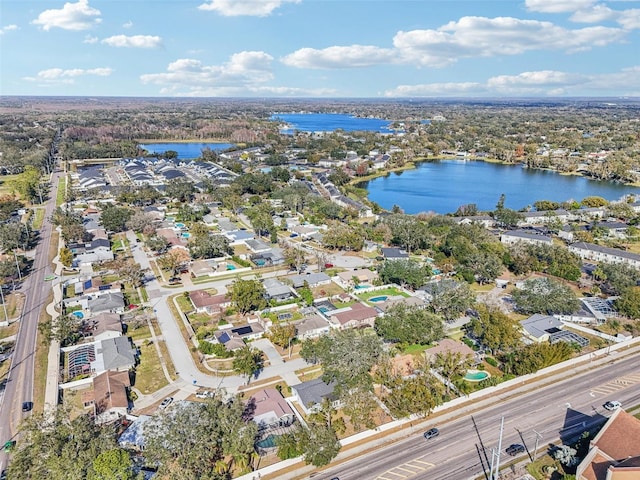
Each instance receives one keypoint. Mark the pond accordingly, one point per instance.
(443, 186)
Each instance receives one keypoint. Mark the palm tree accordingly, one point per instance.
(451, 364)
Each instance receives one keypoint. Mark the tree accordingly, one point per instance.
(294, 257)
(191, 439)
(158, 244)
(114, 219)
(545, 205)
(406, 324)
(495, 330)
(566, 456)
(594, 202)
(211, 246)
(342, 236)
(247, 361)
(320, 444)
(335, 352)
(113, 464)
(180, 189)
(536, 356)
(617, 277)
(450, 299)
(485, 266)
(59, 448)
(404, 272)
(545, 295)
(507, 218)
(416, 395)
(359, 405)
(451, 364)
(139, 221)
(281, 335)
(129, 271)
(629, 302)
(66, 256)
(173, 259)
(247, 295)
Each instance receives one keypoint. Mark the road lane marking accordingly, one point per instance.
(406, 469)
(426, 463)
(617, 384)
(396, 474)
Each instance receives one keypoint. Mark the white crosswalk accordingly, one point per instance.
(617, 384)
(406, 470)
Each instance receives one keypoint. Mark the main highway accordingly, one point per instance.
(463, 450)
(20, 381)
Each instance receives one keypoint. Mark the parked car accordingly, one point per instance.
(27, 406)
(432, 432)
(166, 402)
(515, 449)
(328, 265)
(612, 405)
(9, 445)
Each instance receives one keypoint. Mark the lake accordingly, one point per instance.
(186, 150)
(443, 186)
(328, 122)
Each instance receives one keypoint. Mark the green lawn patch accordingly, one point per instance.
(149, 374)
(38, 218)
(62, 190)
(415, 349)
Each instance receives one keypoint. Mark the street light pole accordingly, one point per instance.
(538, 438)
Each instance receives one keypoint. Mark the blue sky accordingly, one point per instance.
(320, 48)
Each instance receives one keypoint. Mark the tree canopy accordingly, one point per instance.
(545, 295)
(406, 324)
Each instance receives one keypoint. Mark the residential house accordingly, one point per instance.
(114, 354)
(257, 246)
(393, 253)
(486, 221)
(412, 302)
(614, 453)
(351, 278)
(276, 290)
(311, 394)
(598, 253)
(447, 345)
(204, 302)
(311, 326)
(234, 338)
(268, 409)
(109, 397)
(514, 236)
(109, 302)
(358, 315)
(105, 325)
(312, 279)
(539, 327)
(98, 250)
(202, 268)
(270, 258)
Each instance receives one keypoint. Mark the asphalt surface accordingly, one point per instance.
(465, 446)
(19, 386)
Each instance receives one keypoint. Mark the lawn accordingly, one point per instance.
(149, 374)
(38, 218)
(327, 290)
(415, 349)
(389, 292)
(62, 190)
(12, 305)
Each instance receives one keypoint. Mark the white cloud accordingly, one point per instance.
(352, 56)
(630, 19)
(59, 75)
(235, 8)
(128, 24)
(89, 39)
(244, 70)
(485, 37)
(133, 41)
(545, 82)
(72, 16)
(558, 6)
(594, 14)
(8, 28)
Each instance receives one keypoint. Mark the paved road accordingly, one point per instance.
(19, 387)
(464, 448)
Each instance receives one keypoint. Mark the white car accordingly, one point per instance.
(166, 402)
(613, 405)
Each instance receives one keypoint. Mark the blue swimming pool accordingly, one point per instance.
(231, 267)
(361, 286)
(267, 442)
(185, 234)
(180, 225)
(79, 315)
(381, 298)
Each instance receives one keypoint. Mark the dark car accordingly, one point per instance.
(27, 406)
(515, 449)
(432, 432)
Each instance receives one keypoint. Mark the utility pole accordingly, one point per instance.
(538, 438)
(493, 475)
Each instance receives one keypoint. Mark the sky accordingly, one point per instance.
(320, 48)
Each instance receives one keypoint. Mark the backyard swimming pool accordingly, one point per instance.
(361, 286)
(476, 375)
(79, 315)
(185, 234)
(231, 267)
(180, 225)
(381, 298)
(267, 442)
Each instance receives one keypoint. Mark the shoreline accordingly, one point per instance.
(414, 164)
(146, 141)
